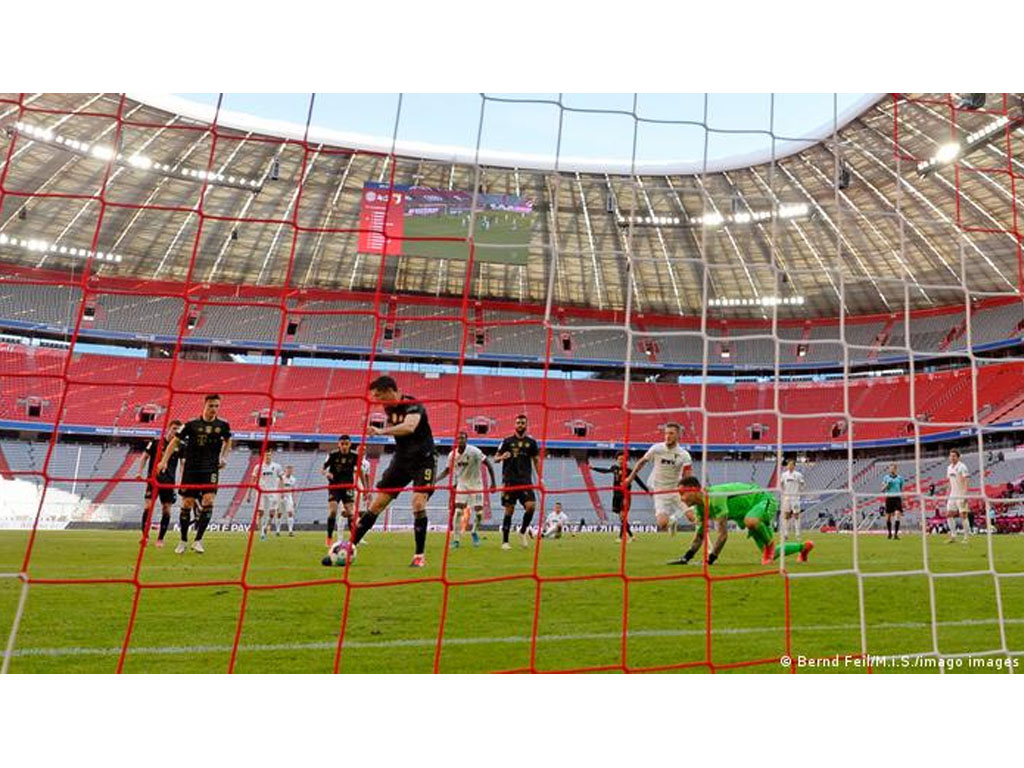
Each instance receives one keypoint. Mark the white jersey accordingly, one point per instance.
(669, 464)
(558, 518)
(288, 484)
(270, 476)
(468, 467)
(791, 482)
(957, 475)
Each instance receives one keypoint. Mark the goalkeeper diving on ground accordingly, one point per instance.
(748, 505)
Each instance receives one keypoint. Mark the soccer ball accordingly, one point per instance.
(340, 553)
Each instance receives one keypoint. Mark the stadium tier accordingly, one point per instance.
(231, 317)
(115, 395)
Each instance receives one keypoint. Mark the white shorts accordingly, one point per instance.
(668, 503)
(956, 504)
(791, 504)
(472, 496)
(268, 503)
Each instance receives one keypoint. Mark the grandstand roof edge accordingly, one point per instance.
(468, 155)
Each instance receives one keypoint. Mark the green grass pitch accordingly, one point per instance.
(490, 626)
(512, 245)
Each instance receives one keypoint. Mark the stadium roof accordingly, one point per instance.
(742, 238)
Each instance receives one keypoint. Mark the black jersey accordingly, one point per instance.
(202, 442)
(419, 444)
(342, 467)
(172, 461)
(518, 468)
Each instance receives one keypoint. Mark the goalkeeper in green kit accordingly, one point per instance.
(747, 505)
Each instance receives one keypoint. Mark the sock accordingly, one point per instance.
(796, 525)
(629, 530)
(952, 526)
(165, 521)
(331, 520)
(277, 522)
(623, 527)
(184, 519)
(366, 522)
(146, 517)
(506, 526)
(527, 519)
(458, 524)
(888, 525)
(291, 523)
(419, 527)
(897, 526)
(791, 548)
(205, 515)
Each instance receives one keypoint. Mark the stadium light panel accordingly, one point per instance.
(952, 151)
(948, 152)
(102, 153)
(136, 161)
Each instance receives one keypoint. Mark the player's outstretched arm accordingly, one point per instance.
(142, 462)
(723, 535)
(636, 470)
(643, 486)
(224, 451)
(171, 448)
(405, 427)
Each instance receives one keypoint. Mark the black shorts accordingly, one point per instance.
(341, 495)
(198, 478)
(617, 503)
(509, 498)
(893, 504)
(167, 495)
(419, 472)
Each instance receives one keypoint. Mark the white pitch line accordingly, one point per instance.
(464, 641)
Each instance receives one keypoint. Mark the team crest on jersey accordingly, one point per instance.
(209, 430)
(217, 430)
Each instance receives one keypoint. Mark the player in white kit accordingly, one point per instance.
(791, 482)
(956, 505)
(671, 464)
(468, 462)
(557, 523)
(288, 482)
(267, 477)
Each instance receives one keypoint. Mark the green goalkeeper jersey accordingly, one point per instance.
(737, 501)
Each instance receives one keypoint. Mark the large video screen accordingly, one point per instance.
(393, 219)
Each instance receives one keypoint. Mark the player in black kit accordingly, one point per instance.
(204, 444)
(620, 500)
(414, 461)
(341, 469)
(519, 455)
(159, 485)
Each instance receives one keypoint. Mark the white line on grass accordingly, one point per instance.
(462, 641)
